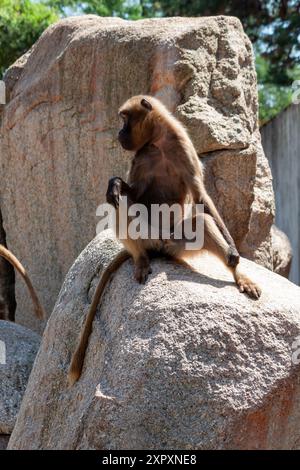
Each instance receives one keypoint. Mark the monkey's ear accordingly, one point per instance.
(146, 104)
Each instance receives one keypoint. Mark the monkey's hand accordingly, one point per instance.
(114, 190)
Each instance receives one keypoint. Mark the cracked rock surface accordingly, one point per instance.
(58, 131)
(18, 348)
(182, 362)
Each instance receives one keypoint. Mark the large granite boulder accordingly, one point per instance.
(58, 132)
(183, 362)
(18, 348)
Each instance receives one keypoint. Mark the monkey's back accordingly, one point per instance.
(150, 176)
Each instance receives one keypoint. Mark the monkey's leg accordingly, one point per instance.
(133, 248)
(142, 268)
(117, 188)
(215, 242)
(140, 257)
(78, 356)
(245, 283)
(201, 196)
(113, 194)
(210, 209)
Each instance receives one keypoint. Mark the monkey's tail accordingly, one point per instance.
(38, 309)
(78, 356)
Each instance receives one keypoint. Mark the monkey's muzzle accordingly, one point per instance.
(124, 140)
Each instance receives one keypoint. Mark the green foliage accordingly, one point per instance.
(272, 100)
(129, 9)
(272, 25)
(21, 24)
(273, 97)
(119, 8)
(274, 28)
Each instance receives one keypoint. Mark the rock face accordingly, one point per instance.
(183, 362)
(58, 132)
(18, 348)
(7, 283)
(282, 252)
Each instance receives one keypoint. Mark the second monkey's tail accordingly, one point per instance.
(78, 356)
(6, 254)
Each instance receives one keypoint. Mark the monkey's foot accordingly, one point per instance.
(249, 287)
(141, 273)
(114, 191)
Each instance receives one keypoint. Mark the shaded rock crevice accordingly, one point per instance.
(7, 283)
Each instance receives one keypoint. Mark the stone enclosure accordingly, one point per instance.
(186, 361)
(58, 133)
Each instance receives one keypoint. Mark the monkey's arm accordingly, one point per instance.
(200, 196)
(210, 208)
(116, 188)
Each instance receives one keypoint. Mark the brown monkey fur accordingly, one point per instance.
(8, 255)
(165, 169)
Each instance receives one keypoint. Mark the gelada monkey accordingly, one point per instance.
(6, 254)
(165, 169)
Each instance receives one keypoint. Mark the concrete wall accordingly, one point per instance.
(281, 142)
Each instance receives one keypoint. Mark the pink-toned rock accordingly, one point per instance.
(183, 362)
(18, 348)
(58, 132)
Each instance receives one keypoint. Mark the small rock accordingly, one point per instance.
(282, 252)
(18, 348)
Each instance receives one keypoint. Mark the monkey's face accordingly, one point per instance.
(125, 134)
(137, 127)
